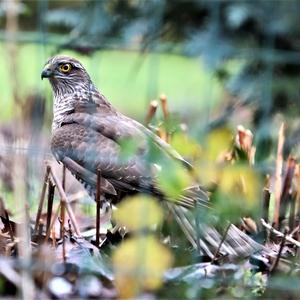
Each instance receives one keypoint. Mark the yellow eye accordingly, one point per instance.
(65, 68)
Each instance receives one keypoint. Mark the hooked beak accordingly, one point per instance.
(47, 72)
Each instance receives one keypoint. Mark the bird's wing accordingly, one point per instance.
(119, 127)
(110, 129)
(85, 151)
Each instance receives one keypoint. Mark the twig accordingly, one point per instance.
(297, 173)
(52, 223)
(221, 243)
(51, 190)
(151, 111)
(278, 174)
(164, 105)
(286, 188)
(274, 266)
(98, 195)
(4, 214)
(40, 232)
(63, 215)
(64, 177)
(41, 202)
(266, 199)
(62, 229)
(10, 231)
(64, 199)
(292, 201)
(279, 234)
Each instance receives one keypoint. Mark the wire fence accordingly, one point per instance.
(262, 86)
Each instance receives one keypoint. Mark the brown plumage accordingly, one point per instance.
(87, 135)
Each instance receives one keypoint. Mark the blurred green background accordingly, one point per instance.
(129, 79)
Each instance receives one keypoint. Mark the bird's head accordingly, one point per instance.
(65, 74)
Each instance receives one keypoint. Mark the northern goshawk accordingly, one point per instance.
(87, 135)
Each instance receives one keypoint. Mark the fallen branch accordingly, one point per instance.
(274, 266)
(279, 234)
(221, 243)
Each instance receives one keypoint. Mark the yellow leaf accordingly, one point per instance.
(208, 172)
(217, 141)
(139, 264)
(241, 182)
(186, 146)
(139, 212)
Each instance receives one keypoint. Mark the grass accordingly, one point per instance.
(128, 79)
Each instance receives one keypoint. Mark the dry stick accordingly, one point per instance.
(286, 188)
(98, 195)
(278, 179)
(52, 223)
(266, 206)
(266, 199)
(297, 173)
(273, 268)
(10, 230)
(62, 229)
(297, 217)
(151, 111)
(221, 243)
(279, 234)
(51, 190)
(164, 106)
(292, 201)
(41, 202)
(64, 199)
(6, 219)
(40, 232)
(63, 216)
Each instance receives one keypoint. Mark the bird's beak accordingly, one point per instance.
(47, 72)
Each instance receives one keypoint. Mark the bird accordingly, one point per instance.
(87, 137)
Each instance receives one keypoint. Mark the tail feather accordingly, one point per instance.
(207, 239)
